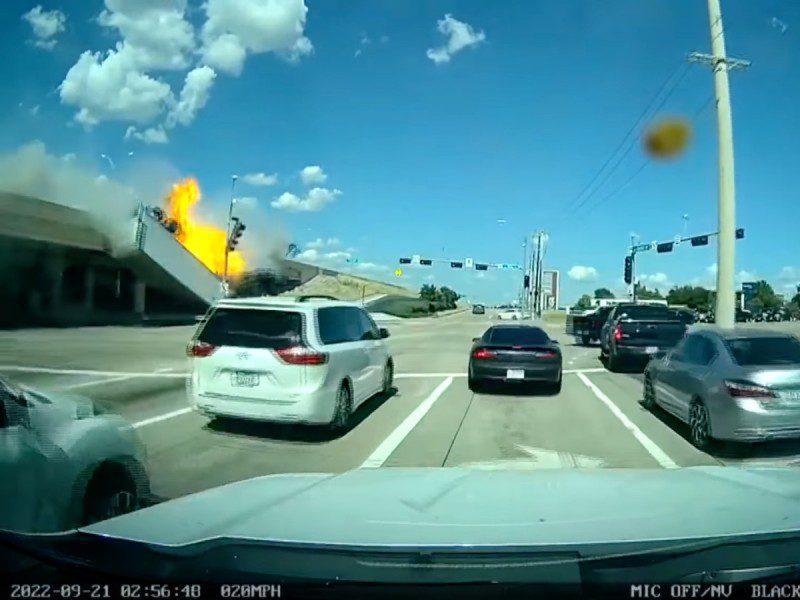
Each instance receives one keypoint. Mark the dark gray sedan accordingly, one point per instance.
(515, 354)
(736, 385)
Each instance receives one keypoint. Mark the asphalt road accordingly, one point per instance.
(431, 420)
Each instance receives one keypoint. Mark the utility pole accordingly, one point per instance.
(633, 269)
(228, 233)
(537, 286)
(726, 202)
(525, 275)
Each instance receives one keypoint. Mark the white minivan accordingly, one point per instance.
(311, 361)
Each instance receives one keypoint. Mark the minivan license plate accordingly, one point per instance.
(243, 379)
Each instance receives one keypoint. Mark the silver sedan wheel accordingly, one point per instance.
(699, 426)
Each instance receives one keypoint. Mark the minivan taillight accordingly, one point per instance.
(301, 355)
(198, 349)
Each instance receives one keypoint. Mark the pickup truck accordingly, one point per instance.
(637, 331)
(586, 328)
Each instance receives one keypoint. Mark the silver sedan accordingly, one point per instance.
(735, 385)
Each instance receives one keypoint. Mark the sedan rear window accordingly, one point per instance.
(519, 336)
(765, 351)
(254, 328)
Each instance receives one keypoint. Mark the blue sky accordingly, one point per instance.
(423, 156)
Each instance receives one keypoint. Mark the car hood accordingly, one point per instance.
(49, 409)
(462, 506)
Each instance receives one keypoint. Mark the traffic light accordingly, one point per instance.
(405, 261)
(425, 261)
(456, 265)
(481, 267)
(700, 240)
(236, 233)
(739, 234)
(628, 269)
(665, 247)
(527, 281)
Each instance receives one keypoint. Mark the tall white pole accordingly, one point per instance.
(726, 240)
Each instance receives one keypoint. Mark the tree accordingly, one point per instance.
(764, 298)
(447, 297)
(692, 296)
(428, 292)
(584, 302)
(642, 293)
(600, 293)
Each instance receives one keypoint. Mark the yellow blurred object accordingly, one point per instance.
(668, 138)
(398, 272)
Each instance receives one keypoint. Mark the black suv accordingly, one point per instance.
(478, 309)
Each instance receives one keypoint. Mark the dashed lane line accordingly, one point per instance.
(390, 444)
(53, 371)
(164, 417)
(652, 448)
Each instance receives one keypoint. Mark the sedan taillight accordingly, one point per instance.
(198, 349)
(483, 354)
(618, 333)
(301, 355)
(745, 389)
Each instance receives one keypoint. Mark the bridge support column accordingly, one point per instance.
(139, 289)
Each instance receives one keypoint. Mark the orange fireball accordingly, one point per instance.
(206, 242)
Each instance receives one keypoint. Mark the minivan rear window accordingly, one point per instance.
(765, 351)
(253, 328)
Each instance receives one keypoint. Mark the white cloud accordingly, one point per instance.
(581, 273)
(34, 110)
(235, 27)
(320, 243)
(656, 280)
(260, 179)
(316, 199)
(247, 202)
(112, 88)
(226, 53)
(151, 135)
(431, 277)
(745, 275)
(370, 266)
(712, 269)
(46, 25)
(194, 96)
(790, 273)
(69, 156)
(460, 35)
(338, 256)
(154, 32)
(313, 174)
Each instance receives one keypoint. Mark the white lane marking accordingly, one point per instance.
(655, 451)
(390, 444)
(165, 369)
(164, 417)
(52, 371)
(84, 384)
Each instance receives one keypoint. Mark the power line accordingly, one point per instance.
(632, 142)
(633, 127)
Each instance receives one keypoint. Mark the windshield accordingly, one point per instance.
(394, 244)
(254, 328)
(765, 351)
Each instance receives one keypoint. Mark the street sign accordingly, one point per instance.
(398, 272)
(677, 240)
(468, 263)
(415, 259)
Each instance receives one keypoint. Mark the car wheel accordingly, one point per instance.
(110, 493)
(474, 385)
(649, 393)
(344, 408)
(700, 426)
(555, 388)
(388, 376)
